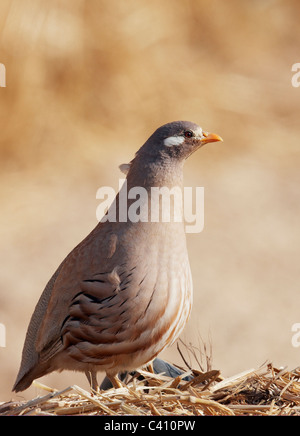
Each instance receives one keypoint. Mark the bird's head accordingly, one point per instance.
(168, 147)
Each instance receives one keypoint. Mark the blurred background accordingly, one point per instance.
(87, 82)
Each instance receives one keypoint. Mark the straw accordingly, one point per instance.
(265, 391)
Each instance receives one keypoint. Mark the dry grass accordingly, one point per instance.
(265, 391)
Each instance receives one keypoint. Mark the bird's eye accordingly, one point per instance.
(188, 134)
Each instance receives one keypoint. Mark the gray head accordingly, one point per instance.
(176, 141)
(172, 143)
(168, 147)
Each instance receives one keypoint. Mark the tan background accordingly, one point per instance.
(87, 82)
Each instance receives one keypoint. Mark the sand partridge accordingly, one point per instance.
(125, 292)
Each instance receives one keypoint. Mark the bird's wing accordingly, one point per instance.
(112, 312)
(86, 270)
(45, 324)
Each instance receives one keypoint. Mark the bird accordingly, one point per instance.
(124, 293)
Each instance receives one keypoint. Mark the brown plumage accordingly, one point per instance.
(125, 292)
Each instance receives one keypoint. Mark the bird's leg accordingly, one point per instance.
(92, 379)
(115, 381)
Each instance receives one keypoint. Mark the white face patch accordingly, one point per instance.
(174, 140)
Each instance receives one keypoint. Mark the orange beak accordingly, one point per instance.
(210, 137)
